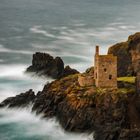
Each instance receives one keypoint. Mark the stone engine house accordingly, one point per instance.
(105, 72)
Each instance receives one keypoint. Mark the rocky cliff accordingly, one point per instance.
(128, 54)
(113, 114)
(45, 64)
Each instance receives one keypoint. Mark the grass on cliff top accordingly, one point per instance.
(127, 79)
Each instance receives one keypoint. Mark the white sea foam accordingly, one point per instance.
(63, 35)
(79, 38)
(13, 81)
(85, 38)
(15, 71)
(1, 60)
(17, 37)
(110, 28)
(60, 28)
(126, 27)
(6, 93)
(38, 30)
(63, 27)
(79, 24)
(35, 126)
(3, 49)
(68, 38)
(116, 23)
(121, 25)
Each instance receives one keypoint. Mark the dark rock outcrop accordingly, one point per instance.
(123, 58)
(21, 100)
(68, 71)
(134, 49)
(112, 114)
(45, 64)
(128, 54)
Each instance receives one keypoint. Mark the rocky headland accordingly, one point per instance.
(47, 65)
(112, 114)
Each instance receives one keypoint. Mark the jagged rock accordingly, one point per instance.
(45, 64)
(90, 71)
(78, 111)
(123, 58)
(68, 71)
(107, 112)
(129, 134)
(134, 49)
(20, 100)
(128, 55)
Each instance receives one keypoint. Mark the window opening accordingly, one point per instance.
(110, 77)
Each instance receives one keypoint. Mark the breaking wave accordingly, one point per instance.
(26, 125)
(20, 123)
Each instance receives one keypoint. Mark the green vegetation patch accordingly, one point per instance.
(127, 79)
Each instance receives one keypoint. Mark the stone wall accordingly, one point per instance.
(86, 80)
(105, 70)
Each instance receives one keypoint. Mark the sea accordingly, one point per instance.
(67, 28)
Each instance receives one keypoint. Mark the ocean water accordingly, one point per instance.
(66, 28)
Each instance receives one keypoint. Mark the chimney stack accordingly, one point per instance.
(97, 50)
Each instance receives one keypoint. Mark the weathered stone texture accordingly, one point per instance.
(86, 80)
(105, 70)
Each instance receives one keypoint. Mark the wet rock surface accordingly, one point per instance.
(45, 64)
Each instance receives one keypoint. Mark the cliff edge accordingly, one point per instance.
(128, 55)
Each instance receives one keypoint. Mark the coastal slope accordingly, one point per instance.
(111, 114)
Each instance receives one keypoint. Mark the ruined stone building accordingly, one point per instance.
(105, 72)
